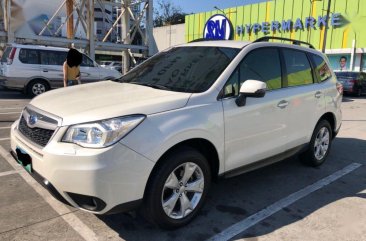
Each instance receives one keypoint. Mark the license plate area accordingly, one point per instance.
(24, 159)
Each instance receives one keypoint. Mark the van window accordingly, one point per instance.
(297, 67)
(321, 67)
(50, 57)
(29, 56)
(87, 62)
(5, 56)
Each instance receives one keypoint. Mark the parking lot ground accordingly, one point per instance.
(4, 165)
(336, 211)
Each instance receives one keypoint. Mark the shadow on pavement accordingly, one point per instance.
(11, 94)
(232, 200)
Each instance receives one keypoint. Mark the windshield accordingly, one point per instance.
(182, 69)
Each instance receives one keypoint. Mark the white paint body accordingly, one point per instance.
(119, 173)
(17, 75)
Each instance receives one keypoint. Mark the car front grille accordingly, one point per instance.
(37, 135)
(37, 126)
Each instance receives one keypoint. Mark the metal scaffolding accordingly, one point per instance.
(120, 27)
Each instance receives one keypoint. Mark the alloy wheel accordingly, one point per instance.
(182, 190)
(38, 89)
(321, 143)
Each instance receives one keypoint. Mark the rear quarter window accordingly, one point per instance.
(6, 54)
(322, 70)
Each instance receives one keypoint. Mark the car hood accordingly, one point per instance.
(107, 99)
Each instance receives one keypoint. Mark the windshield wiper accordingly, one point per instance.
(155, 86)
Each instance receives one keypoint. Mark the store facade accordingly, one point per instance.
(295, 19)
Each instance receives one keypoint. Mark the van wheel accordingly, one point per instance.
(37, 87)
(177, 189)
(319, 145)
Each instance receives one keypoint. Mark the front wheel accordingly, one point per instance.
(177, 189)
(319, 145)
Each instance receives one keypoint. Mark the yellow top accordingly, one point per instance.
(72, 72)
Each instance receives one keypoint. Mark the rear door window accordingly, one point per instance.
(297, 67)
(29, 56)
(50, 57)
(321, 68)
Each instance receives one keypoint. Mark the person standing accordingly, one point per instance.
(71, 68)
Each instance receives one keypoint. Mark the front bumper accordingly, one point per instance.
(95, 180)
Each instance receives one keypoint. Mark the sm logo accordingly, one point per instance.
(218, 27)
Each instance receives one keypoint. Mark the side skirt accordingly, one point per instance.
(265, 162)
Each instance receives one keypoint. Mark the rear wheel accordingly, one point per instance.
(37, 87)
(177, 189)
(319, 145)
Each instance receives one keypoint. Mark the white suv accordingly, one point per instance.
(36, 69)
(157, 138)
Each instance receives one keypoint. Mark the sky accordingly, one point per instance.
(197, 6)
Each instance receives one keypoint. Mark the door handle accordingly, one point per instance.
(318, 94)
(282, 104)
(45, 70)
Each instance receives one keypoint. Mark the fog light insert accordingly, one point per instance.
(87, 202)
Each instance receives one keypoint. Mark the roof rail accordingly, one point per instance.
(296, 42)
(202, 39)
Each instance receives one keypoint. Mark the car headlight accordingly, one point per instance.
(102, 133)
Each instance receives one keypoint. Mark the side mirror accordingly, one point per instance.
(251, 88)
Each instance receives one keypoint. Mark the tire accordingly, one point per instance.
(319, 146)
(37, 87)
(168, 185)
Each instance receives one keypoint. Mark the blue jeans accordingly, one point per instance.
(71, 82)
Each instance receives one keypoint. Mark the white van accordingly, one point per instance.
(35, 69)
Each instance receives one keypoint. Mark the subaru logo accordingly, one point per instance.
(218, 27)
(32, 120)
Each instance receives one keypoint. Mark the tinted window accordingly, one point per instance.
(363, 76)
(6, 54)
(321, 67)
(232, 86)
(263, 65)
(183, 69)
(297, 67)
(49, 57)
(87, 61)
(29, 56)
